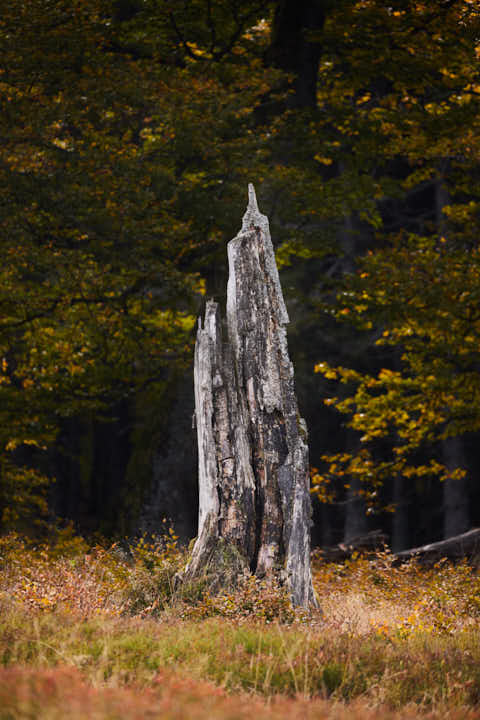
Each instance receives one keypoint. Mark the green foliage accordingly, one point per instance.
(152, 582)
(258, 600)
(22, 497)
(118, 141)
(415, 292)
(129, 131)
(424, 293)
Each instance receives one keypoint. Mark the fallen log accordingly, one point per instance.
(372, 542)
(466, 545)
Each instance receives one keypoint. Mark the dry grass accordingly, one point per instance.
(370, 593)
(102, 635)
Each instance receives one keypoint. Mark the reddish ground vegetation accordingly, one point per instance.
(94, 632)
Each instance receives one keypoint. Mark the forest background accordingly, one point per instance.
(129, 131)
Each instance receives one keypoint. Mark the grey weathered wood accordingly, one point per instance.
(254, 510)
(465, 545)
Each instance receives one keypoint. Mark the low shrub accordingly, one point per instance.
(260, 600)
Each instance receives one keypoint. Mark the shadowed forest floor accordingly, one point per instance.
(103, 633)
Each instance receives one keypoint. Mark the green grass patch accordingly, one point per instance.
(266, 659)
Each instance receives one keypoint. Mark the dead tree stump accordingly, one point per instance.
(254, 509)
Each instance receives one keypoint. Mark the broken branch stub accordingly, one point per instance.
(254, 509)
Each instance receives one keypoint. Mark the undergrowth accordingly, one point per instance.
(106, 630)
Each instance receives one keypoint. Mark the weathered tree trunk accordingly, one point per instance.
(254, 505)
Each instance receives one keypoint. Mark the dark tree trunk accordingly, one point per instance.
(172, 494)
(400, 528)
(254, 505)
(455, 491)
(355, 519)
(356, 522)
(293, 50)
(90, 461)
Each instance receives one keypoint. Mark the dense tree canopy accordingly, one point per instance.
(415, 290)
(109, 145)
(129, 131)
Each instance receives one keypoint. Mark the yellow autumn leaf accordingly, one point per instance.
(323, 160)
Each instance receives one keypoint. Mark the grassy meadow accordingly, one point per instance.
(98, 632)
